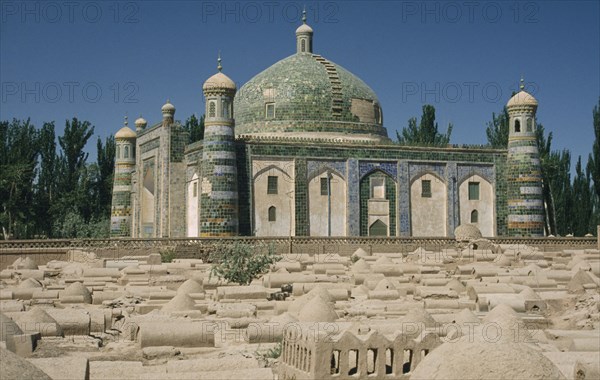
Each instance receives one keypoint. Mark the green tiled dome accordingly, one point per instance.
(305, 95)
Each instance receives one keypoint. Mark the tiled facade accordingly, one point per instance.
(313, 117)
(524, 176)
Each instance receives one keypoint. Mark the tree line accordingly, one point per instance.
(48, 189)
(572, 207)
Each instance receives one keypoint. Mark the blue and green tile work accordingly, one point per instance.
(524, 176)
(312, 116)
(120, 218)
(218, 186)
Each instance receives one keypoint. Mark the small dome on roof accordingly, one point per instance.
(304, 28)
(168, 107)
(522, 98)
(219, 81)
(125, 133)
(140, 121)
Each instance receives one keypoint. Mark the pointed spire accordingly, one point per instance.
(219, 67)
(522, 85)
(304, 14)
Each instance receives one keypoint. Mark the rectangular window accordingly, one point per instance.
(272, 214)
(270, 110)
(378, 188)
(473, 191)
(426, 188)
(324, 186)
(195, 189)
(272, 185)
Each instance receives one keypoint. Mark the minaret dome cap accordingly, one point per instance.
(125, 133)
(522, 98)
(140, 121)
(304, 29)
(168, 107)
(219, 81)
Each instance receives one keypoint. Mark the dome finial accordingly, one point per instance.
(126, 123)
(219, 67)
(304, 14)
(522, 85)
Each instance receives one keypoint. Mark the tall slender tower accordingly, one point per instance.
(304, 36)
(120, 218)
(524, 175)
(219, 190)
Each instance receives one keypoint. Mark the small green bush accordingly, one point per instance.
(275, 352)
(167, 255)
(241, 263)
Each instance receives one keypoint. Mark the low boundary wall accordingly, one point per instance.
(45, 250)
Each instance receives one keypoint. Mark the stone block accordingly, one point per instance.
(24, 344)
(67, 368)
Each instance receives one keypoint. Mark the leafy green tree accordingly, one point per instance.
(195, 128)
(497, 130)
(74, 186)
(582, 201)
(47, 194)
(241, 263)
(106, 165)
(548, 171)
(72, 143)
(45, 191)
(595, 203)
(18, 161)
(594, 165)
(426, 133)
(559, 164)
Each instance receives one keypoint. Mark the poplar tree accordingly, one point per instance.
(426, 133)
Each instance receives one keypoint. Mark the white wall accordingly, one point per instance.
(484, 206)
(148, 204)
(318, 206)
(192, 207)
(284, 200)
(428, 215)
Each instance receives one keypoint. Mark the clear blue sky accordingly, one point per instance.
(464, 57)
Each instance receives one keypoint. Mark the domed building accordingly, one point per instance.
(301, 150)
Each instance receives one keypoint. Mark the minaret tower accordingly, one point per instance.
(120, 218)
(140, 124)
(304, 36)
(168, 113)
(524, 177)
(219, 190)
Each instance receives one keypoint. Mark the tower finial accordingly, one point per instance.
(219, 67)
(522, 85)
(304, 14)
